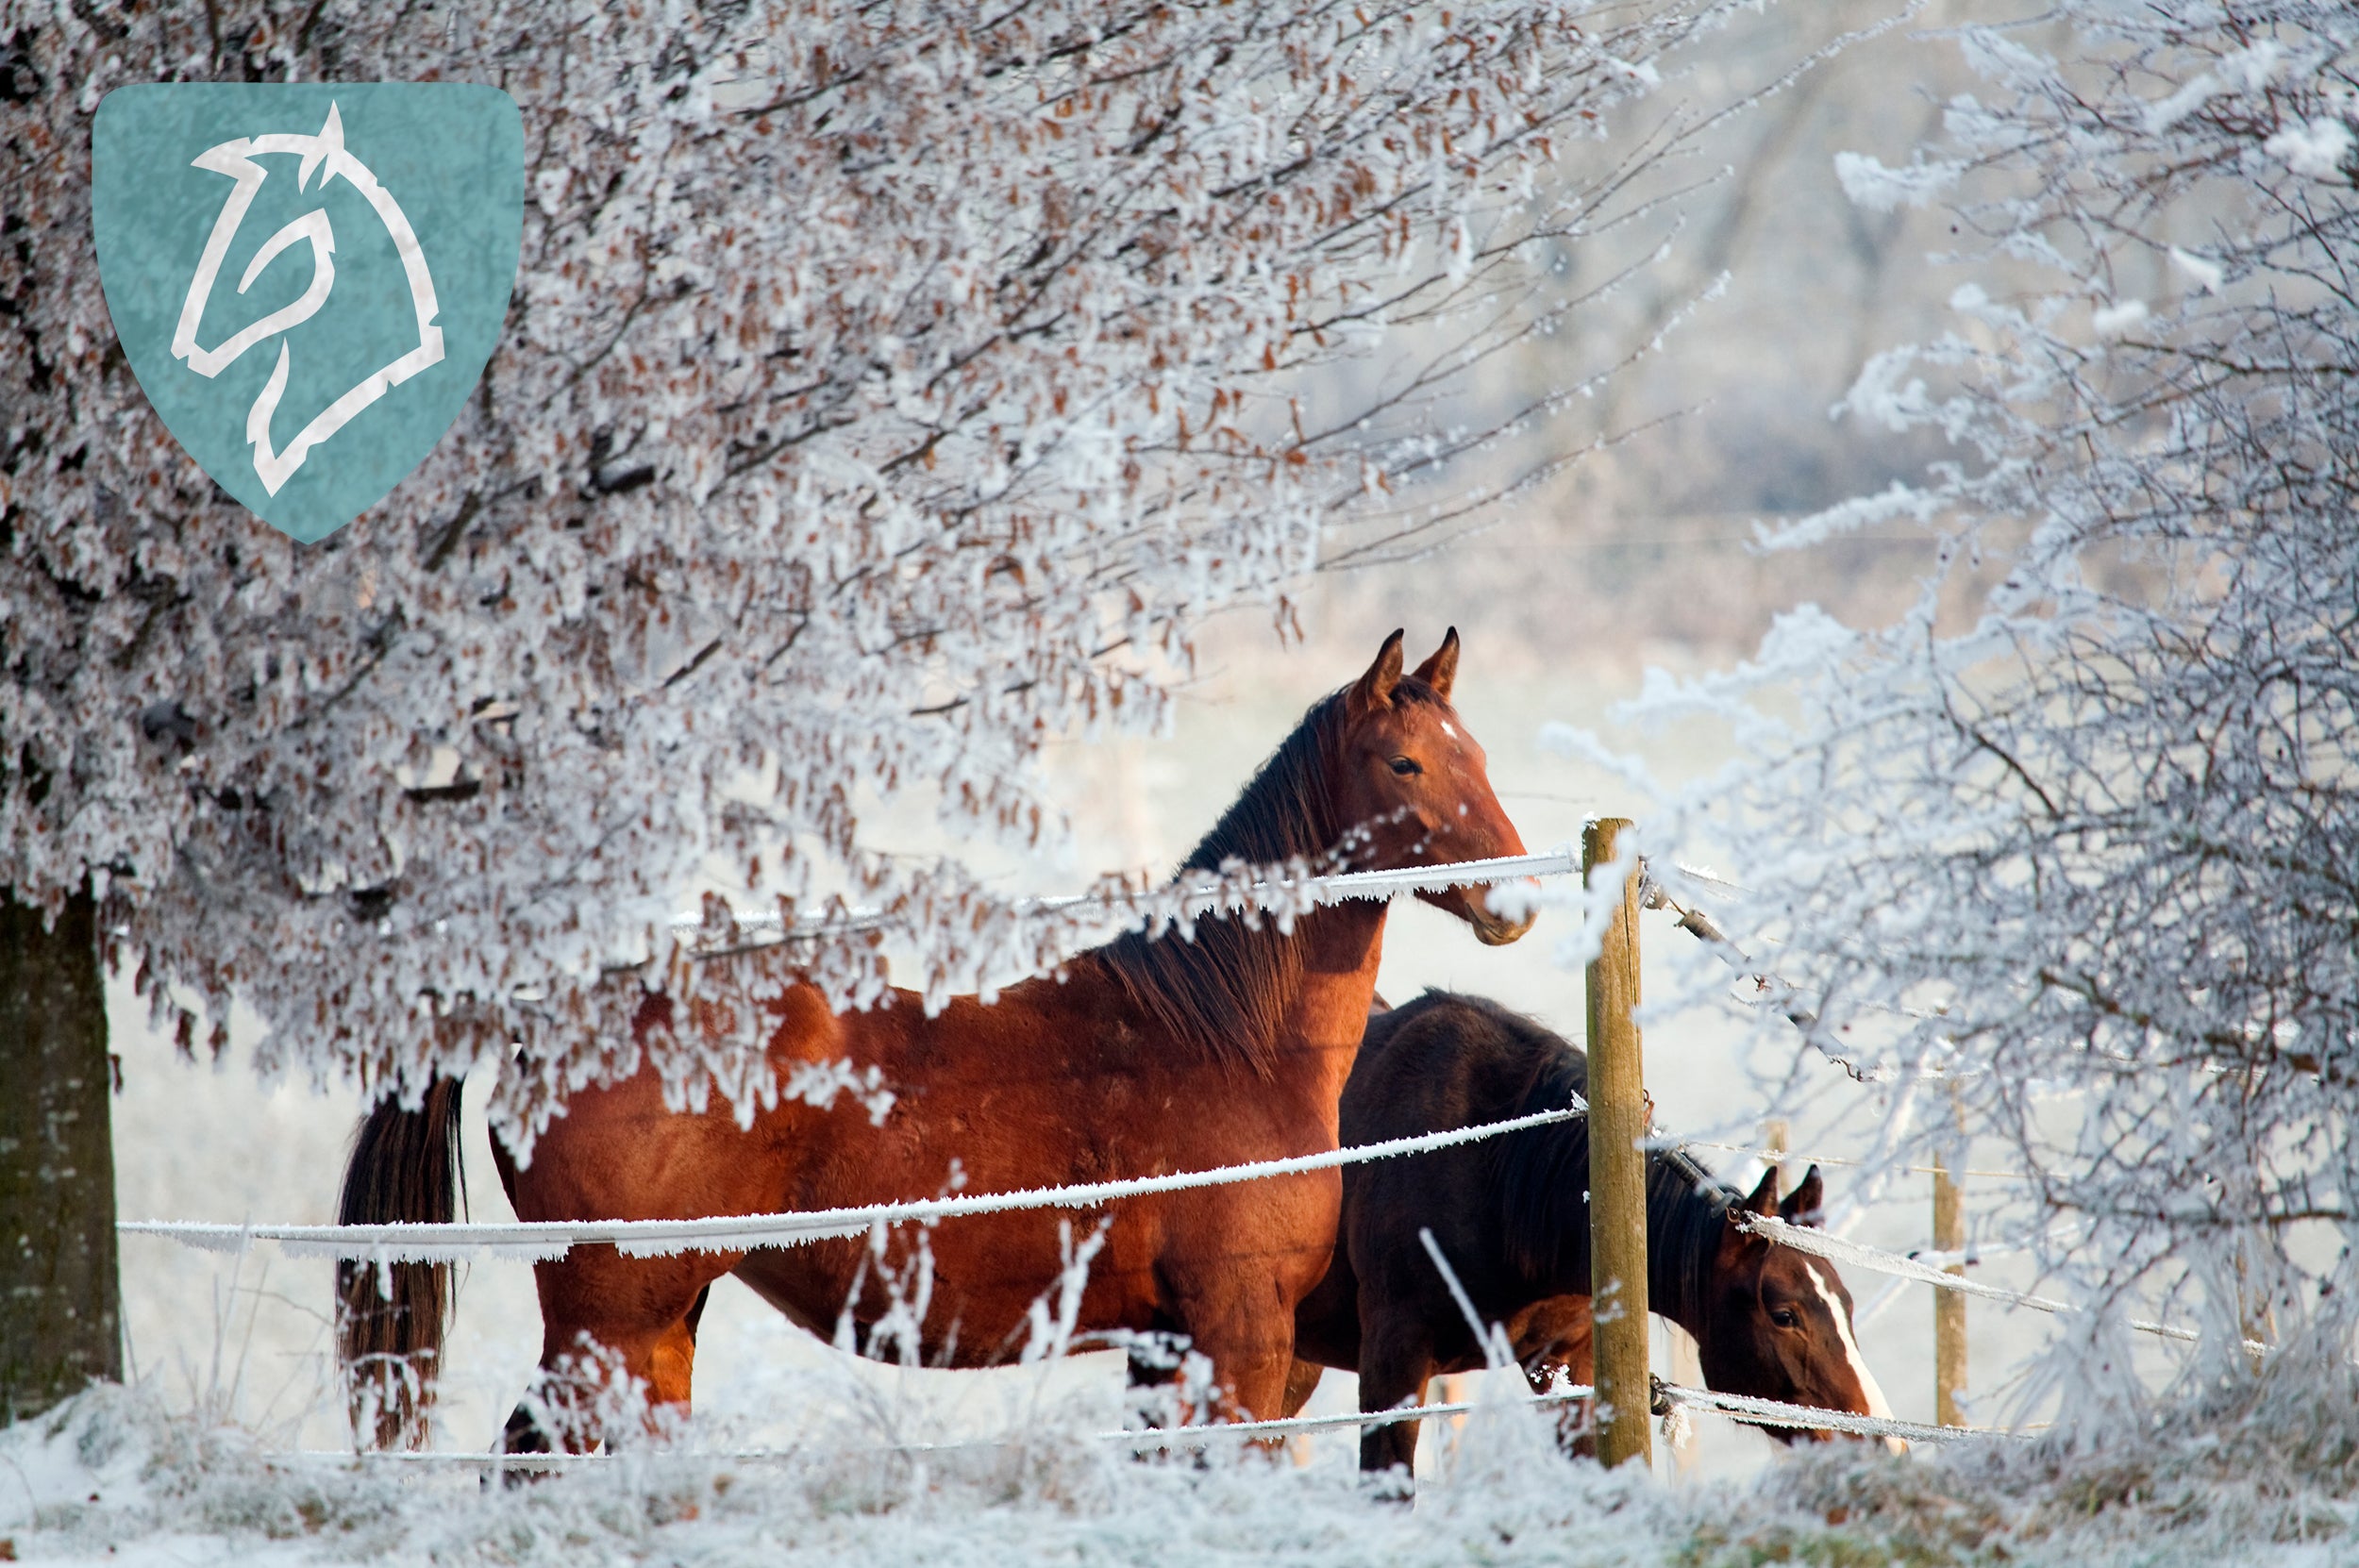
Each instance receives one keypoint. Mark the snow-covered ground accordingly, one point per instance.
(110, 1479)
(113, 1478)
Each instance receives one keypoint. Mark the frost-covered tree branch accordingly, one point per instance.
(2087, 855)
(886, 389)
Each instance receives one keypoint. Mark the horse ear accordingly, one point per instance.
(1807, 1204)
(1738, 1243)
(1375, 688)
(1442, 668)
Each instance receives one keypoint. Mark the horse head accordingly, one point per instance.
(1779, 1321)
(241, 161)
(1412, 781)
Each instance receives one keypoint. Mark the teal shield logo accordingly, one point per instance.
(308, 279)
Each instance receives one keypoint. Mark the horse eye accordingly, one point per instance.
(1406, 765)
(1785, 1317)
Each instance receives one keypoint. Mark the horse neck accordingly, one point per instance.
(1341, 946)
(1286, 1005)
(1685, 1216)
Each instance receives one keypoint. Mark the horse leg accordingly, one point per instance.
(1395, 1359)
(675, 1359)
(603, 1317)
(1302, 1381)
(1251, 1350)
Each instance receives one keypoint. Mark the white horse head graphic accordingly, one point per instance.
(236, 159)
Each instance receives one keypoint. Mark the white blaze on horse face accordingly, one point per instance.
(236, 159)
(1875, 1395)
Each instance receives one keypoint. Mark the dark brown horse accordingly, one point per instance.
(1512, 1215)
(1142, 1057)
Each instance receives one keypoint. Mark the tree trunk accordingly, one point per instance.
(60, 1304)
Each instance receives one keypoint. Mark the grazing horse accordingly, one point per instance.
(1142, 1057)
(1512, 1215)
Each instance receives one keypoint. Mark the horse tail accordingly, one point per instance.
(390, 1316)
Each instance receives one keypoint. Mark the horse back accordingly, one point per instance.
(1451, 1060)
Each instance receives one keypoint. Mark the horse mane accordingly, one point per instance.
(1225, 989)
(1541, 1176)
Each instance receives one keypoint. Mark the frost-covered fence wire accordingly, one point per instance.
(1152, 1437)
(1738, 1407)
(1185, 902)
(1771, 1412)
(550, 1238)
(1218, 895)
(1839, 1249)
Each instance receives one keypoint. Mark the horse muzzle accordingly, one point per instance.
(1892, 1445)
(1496, 930)
(1494, 927)
(1795, 1436)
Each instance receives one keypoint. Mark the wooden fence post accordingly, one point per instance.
(1617, 1173)
(1774, 1134)
(1948, 1306)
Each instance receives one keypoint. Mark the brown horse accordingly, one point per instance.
(1142, 1057)
(1512, 1215)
